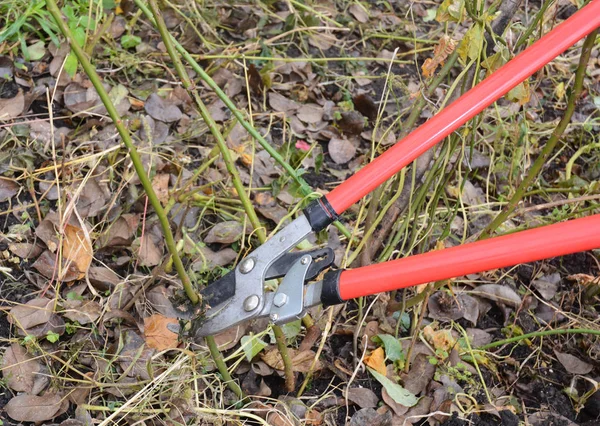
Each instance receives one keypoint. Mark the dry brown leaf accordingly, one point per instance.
(12, 108)
(363, 397)
(229, 338)
(25, 250)
(351, 123)
(35, 312)
(301, 361)
(584, 279)
(341, 150)
(19, 369)
(31, 408)
(161, 109)
(160, 184)
(420, 375)
(8, 189)
(157, 334)
(77, 248)
(149, 253)
(360, 14)
(498, 293)
(573, 364)
(440, 52)
(282, 104)
(376, 360)
(310, 113)
(84, 312)
(120, 232)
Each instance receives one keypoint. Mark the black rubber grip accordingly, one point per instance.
(330, 294)
(320, 214)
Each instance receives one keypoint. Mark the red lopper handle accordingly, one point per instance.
(466, 107)
(522, 247)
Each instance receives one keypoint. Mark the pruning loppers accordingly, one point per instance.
(240, 295)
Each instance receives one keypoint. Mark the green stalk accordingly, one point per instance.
(538, 334)
(536, 168)
(133, 154)
(244, 198)
(217, 357)
(304, 188)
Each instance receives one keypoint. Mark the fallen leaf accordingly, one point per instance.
(252, 346)
(46, 265)
(255, 80)
(31, 408)
(395, 391)
(92, 199)
(149, 253)
(83, 100)
(19, 369)
(498, 293)
(160, 184)
(363, 397)
(371, 417)
(84, 312)
(12, 108)
(341, 150)
(351, 123)
(398, 409)
(376, 360)
(229, 338)
(103, 278)
(365, 104)
(360, 14)
(8, 188)
(446, 307)
(573, 364)
(301, 361)
(420, 375)
(584, 279)
(120, 232)
(310, 113)
(224, 232)
(548, 418)
(25, 250)
(280, 103)
(393, 348)
(547, 285)
(158, 335)
(77, 248)
(162, 110)
(35, 312)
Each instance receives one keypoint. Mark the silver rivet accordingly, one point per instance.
(304, 260)
(251, 303)
(274, 317)
(280, 299)
(247, 265)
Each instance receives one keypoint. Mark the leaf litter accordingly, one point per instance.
(112, 314)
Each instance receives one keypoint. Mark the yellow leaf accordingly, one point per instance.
(157, 335)
(439, 339)
(520, 94)
(471, 44)
(376, 360)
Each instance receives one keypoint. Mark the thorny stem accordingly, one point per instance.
(133, 154)
(247, 204)
(536, 168)
(304, 188)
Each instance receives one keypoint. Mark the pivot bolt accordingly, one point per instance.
(251, 303)
(247, 265)
(304, 260)
(280, 299)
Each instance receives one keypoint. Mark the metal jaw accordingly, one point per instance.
(249, 299)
